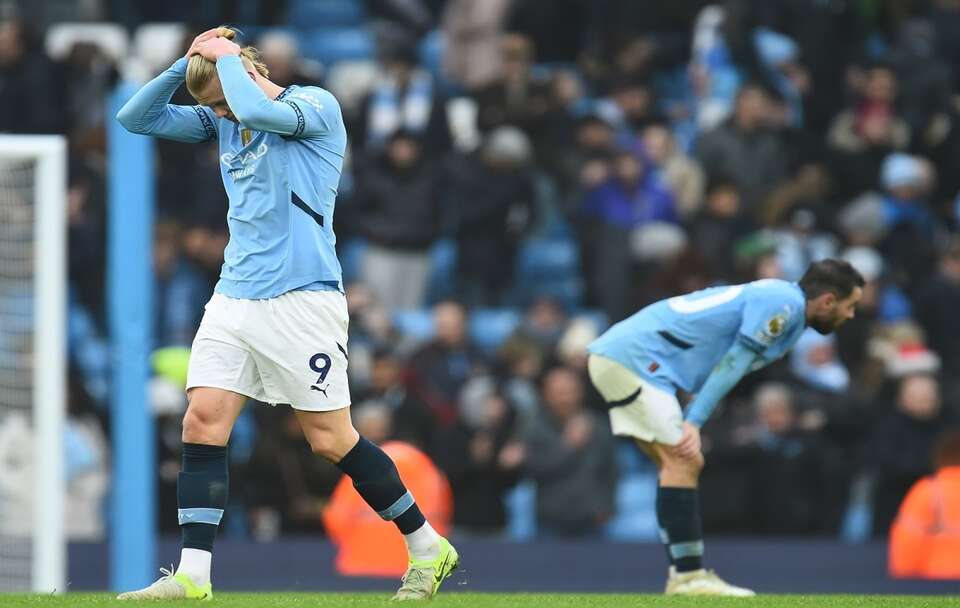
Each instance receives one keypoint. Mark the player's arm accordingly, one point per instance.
(149, 112)
(731, 369)
(294, 117)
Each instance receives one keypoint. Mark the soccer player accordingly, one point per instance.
(704, 343)
(275, 329)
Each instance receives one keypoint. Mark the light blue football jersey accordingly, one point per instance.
(281, 188)
(676, 343)
(282, 192)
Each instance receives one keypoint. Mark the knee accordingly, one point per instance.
(330, 444)
(683, 468)
(201, 427)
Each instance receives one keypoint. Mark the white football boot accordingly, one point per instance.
(702, 582)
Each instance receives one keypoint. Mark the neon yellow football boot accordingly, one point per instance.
(423, 578)
(171, 586)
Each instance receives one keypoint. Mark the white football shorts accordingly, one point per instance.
(289, 349)
(637, 408)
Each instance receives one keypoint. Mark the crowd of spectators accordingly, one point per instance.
(565, 162)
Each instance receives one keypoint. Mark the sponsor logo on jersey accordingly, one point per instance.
(247, 160)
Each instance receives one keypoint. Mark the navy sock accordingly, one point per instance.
(201, 494)
(377, 481)
(678, 512)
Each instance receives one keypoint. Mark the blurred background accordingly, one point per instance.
(522, 173)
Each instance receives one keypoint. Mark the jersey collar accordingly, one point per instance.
(285, 92)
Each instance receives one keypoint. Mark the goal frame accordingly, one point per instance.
(49, 378)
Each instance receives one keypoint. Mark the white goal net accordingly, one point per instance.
(32, 362)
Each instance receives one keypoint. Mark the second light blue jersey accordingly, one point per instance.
(280, 167)
(677, 342)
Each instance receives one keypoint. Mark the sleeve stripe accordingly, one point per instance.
(206, 122)
(301, 124)
(752, 343)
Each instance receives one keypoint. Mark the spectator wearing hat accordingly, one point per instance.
(492, 195)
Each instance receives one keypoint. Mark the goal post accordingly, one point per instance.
(33, 296)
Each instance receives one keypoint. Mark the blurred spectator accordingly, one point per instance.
(555, 28)
(627, 200)
(286, 485)
(787, 474)
(814, 361)
(440, 369)
(472, 31)
(89, 76)
(899, 446)
(570, 455)
(494, 208)
(405, 98)
(746, 149)
(86, 230)
(278, 49)
(925, 79)
(924, 542)
(584, 164)
(630, 107)
(801, 240)
(719, 225)
(480, 457)
(936, 304)
(865, 133)
(681, 174)
(397, 206)
(29, 87)
(517, 98)
(181, 290)
(911, 227)
(410, 420)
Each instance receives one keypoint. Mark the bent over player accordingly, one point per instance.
(275, 329)
(704, 343)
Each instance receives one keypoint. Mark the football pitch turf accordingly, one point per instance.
(488, 600)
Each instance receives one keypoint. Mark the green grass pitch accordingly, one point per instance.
(487, 600)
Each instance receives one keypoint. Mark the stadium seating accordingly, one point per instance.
(332, 45)
(552, 266)
(490, 327)
(156, 44)
(110, 37)
(326, 13)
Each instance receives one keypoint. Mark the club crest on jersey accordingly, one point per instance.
(246, 135)
(773, 328)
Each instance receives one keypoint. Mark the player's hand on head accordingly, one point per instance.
(215, 48)
(207, 35)
(689, 446)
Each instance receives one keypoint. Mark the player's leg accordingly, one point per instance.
(678, 509)
(331, 435)
(222, 373)
(203, 482)
(202, 489)
(681, 530)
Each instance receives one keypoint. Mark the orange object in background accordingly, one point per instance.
(370, 546)
(925, 538)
